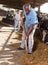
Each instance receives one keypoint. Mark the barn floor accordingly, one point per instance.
(9, 55)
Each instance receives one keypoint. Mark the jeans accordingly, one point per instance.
(16, 25)
(30, 40)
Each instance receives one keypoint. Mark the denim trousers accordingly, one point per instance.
(16, 25)
(30, 40)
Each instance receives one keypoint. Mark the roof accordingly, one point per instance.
(19, 3)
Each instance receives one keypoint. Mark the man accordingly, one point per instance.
(17, 19)
(31, 22)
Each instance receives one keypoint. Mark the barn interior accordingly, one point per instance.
(10, 40)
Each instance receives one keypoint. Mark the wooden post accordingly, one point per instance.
(39, 10)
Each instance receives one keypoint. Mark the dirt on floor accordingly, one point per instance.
(39, 55)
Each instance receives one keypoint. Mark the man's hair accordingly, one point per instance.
(27, 5)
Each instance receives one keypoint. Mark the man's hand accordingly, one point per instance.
(29, 30)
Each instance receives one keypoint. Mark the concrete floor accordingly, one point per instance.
(8, 45)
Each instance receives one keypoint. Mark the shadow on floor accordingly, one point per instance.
(7, 40)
